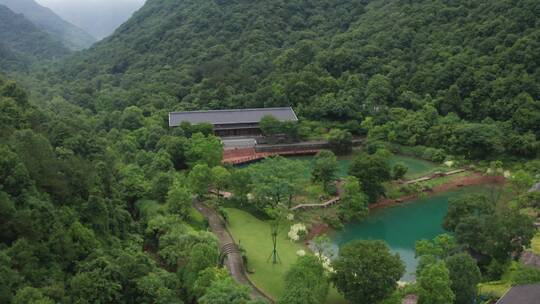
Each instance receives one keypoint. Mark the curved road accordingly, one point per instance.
(234, 261)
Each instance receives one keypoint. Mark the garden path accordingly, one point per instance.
(233, 261)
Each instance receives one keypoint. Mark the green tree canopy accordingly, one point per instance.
(354, 203)
(306, 282)
(465, 276)
(325, 168)
(434, 285)
(372, 170)
(276, 180)
(366, 271)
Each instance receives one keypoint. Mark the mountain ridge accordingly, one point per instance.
(312, 54)
(44, 18)
(22, 43)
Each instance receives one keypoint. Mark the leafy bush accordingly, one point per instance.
(332, 221)
(524, 275)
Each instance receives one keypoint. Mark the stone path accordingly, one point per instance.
(530, 259)
(233, 257)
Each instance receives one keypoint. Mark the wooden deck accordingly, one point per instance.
(234, 160)
(433, 176)
(327, 204)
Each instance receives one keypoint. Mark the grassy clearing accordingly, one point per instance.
(535, 243)
(496, 288)
(254, 236)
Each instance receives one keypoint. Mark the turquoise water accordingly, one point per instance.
(401, 226)
(417, 167)
(344, 162)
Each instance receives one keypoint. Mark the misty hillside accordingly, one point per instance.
(21, 42)
(73, 37)
(99, 18)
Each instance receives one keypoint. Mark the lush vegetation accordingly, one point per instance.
(93, 219)
(452, 75)
(96, 190)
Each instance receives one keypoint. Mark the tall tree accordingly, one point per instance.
(221, 178)
(325, 168)
(306, 282)
(366, 271)
(354, 203)
(204, 150)
(434, 285)
(372, 170)
(277, 180)
(465, 276)
(226, 291)
(200, 179)
(179, 201)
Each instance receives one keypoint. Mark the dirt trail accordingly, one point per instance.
(474, 179)
(233, 261)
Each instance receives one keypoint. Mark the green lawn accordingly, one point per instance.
(497, 288)
(254, 236)
(535, 243)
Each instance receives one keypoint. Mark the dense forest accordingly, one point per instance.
(96, 189)
(342, 61)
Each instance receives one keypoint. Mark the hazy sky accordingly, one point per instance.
(55, 2)
(98, 17)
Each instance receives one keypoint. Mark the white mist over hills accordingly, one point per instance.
(98, 17)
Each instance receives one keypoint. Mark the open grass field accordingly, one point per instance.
(254, 236)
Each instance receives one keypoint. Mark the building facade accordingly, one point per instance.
(234, 122)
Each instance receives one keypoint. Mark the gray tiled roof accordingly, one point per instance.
(223, 117)
(525, 294)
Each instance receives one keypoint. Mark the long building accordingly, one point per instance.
(234, 122)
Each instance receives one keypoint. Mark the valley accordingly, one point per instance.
(290, 152)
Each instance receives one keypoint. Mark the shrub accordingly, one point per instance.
(332, 221)
(525, 275)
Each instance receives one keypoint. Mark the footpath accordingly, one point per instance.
(228, 247)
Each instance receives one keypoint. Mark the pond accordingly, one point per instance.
(417, 167)
(401, 226)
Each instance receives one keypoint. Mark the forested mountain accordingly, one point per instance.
(71, 36)
(21, 42)
(329, 58)
(332, 61)
(96, 190)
